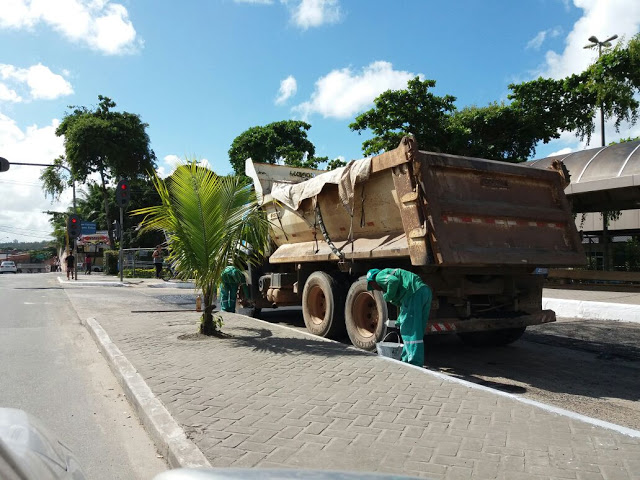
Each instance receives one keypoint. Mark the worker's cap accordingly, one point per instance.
(371, 277)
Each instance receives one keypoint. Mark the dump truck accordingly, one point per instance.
(474, 230)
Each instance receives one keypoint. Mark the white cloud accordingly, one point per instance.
(9, 95)
(536, 42)
(314, 13)
(42, 82)
(101, 25)
(288, 88)
(343, 93)
(171, 162)
(562, 151)
(601, 18)
(21, 215)
(306, 14)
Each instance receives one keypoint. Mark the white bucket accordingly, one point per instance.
(390, 349)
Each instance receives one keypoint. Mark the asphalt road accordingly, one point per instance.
(51, 368)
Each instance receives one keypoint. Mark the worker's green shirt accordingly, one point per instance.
(397, 284)
(232, 275)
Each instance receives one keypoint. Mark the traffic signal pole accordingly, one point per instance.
(121, 255)
(122, 199)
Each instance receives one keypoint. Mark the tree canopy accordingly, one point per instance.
(570, 104)
(538, 111)
(286, 139)
(112, 144)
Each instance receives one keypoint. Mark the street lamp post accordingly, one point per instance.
(73, 182)
(597, 43)
(605, 217)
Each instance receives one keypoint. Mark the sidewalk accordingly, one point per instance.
(269, 396)
(596, 305)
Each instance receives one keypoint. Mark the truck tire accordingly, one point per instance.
(323, 305)
(365, 315)
(494, 338)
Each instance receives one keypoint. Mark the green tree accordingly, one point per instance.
(143, 194)
(286, 139)
(335, 163)
(58, 222)
(612, 83)
(539, 111)
(112, 144)
(414, 110)
(207, 218)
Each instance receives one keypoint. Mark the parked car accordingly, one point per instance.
(8, 267)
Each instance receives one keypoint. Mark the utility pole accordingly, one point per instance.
(605, 217)
(122, 199)
(75, 211)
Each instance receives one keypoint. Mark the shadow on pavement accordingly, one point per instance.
(38, 288)
(543, 361)
(262, 340)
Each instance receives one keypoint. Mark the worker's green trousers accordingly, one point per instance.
(412, 320)
(228, 294)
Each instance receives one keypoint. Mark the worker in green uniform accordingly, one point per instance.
(231, 279)
(413, 296)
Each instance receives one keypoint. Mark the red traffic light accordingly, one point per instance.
(74, 220)
(122, 194)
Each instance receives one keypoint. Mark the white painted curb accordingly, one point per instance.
(620, 312)
(81, 283)
(169, 437)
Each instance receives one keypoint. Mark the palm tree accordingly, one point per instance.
(208, 220)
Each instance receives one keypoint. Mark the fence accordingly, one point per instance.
(140, 259)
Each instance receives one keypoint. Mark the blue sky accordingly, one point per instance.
(200, 72)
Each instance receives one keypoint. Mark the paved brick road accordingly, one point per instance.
(272, 397)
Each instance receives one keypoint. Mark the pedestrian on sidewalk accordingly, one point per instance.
(231, 278)
(70, 261)
(406, 290)
(87, 265)
(158, 258)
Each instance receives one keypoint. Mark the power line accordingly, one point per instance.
(19, 231)
(14, 182)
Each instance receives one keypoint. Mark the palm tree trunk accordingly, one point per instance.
(207, 327)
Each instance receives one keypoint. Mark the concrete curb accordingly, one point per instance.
(620, 312)
(81, 283)
(169, 437)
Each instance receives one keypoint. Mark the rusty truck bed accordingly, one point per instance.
(430, 208)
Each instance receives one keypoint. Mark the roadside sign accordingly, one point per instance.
(88, 228)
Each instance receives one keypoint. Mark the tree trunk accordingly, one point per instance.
(207, 326)
(112, 241)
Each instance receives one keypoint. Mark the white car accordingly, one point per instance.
(8, 267)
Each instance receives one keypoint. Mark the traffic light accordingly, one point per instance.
(116, 228)
(122, 194)
(74, 226)
(4, 164)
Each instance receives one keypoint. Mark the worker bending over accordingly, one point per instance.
(413, 296)
(231, 279)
